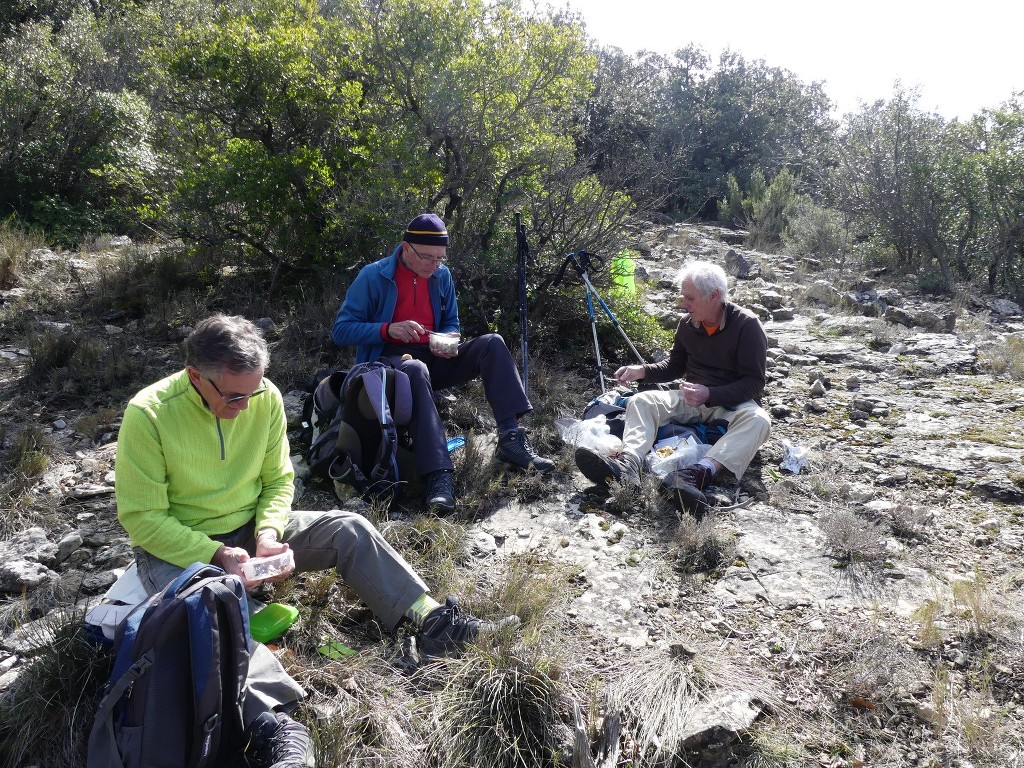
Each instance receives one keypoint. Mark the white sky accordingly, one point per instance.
(963, 56)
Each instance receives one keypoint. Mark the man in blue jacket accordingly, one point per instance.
(389, 312)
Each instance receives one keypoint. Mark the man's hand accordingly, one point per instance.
(268, 545)
(230, 560)
(628, 373)
(694, 394)
(406, 331)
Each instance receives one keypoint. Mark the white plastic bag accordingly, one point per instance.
(674, 453)
(794, 457)
(589, 433)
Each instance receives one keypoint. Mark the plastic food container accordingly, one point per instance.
(266, 567)
(271, 621)
(447, 343)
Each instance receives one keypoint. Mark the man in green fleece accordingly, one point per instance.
(203, 475)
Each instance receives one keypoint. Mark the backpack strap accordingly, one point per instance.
(402, 409)
(375, 382)
(102, 750)
(217, 609)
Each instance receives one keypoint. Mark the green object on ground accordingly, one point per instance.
(336, 650)
(271, 621)
(622, 272)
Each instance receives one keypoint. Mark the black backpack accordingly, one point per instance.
(356, 419)
(174, 698)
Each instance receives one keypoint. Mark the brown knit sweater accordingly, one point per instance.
(731, 363)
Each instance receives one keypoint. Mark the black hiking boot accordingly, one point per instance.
(278, 741)
(440, 498)
(446, 630)
(601, 469)
(514, 448)
(685, 487)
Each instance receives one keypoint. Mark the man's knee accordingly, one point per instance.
(757, 420)
(645, 401)
(416, 370)
(490, 340)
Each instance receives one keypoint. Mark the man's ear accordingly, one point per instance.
(193, 374)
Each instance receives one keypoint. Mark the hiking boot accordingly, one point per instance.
(277, 741)
(514, 448)
(601, 469)
(440, 498)
(446, 630)
(686, 487)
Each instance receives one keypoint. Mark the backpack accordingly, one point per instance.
(174, 697)
(356, 420)
(612, 406)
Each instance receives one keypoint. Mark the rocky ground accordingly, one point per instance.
(856, 596)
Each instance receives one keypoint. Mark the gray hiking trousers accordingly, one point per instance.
(339, 539)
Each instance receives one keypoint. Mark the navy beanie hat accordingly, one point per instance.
(426, 229)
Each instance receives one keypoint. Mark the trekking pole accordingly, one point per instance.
(581, 261)
(522, 254)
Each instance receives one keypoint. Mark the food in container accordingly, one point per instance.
(447, 343)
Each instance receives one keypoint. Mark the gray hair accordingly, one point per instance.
(226, 342)
(706, 278)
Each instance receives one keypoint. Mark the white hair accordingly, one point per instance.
(706, 278)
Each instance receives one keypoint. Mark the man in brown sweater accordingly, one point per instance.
(720, 351)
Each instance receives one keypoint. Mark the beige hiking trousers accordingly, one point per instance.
(749, 426)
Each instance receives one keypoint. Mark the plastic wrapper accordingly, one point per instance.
(794, 458)
(675, 453)
(589, 433)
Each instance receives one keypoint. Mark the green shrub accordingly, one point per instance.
(766, 210)
(933, 282)
(817, 232)
(561, 327)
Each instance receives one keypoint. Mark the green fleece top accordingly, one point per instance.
(182, 474)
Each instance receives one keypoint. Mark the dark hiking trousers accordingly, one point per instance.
(485, 357)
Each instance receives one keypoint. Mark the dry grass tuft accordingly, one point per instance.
(26, 461)
(360, 712)
(16, 243)
(1004, 357)
(663, 693)
(851, 539)
(700, 546)
(46, 715)
(910, 521)
(498, 710)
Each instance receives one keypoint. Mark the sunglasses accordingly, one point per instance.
(232, 399)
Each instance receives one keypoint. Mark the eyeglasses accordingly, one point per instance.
(431, 259)
(232, 399)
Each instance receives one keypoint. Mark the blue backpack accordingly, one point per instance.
(174, 698)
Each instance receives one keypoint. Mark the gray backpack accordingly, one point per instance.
(174, 698)
(357, 422)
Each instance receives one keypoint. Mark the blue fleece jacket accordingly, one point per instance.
(370, 302)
